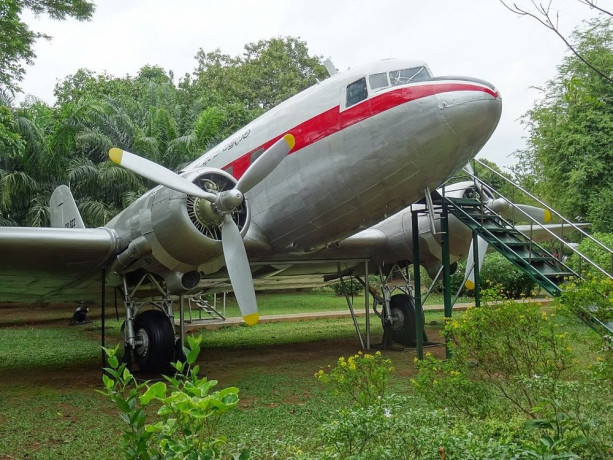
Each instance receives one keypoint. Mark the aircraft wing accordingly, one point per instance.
(51, 264)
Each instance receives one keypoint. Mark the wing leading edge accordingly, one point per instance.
(52, 264)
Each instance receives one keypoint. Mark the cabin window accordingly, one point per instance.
(402, 77)
(378, 81)
(356, 92)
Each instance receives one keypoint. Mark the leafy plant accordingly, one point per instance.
(511, 342)
(595, 253)
(450, 384)
(498, 273)
(593, 295)
(362, 378)
(351, 288)
(188, 415)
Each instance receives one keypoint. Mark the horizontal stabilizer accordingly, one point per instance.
(63, 211)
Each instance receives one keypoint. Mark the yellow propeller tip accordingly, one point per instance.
(470, 285)
(115, 155)
(251, 319)
(547, 216)
(291, 141)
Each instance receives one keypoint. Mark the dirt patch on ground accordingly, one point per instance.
(228, 365)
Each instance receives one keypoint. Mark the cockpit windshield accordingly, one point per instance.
(402, 77)
(382, 80)
(358, 91)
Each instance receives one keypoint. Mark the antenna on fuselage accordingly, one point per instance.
(330, 67)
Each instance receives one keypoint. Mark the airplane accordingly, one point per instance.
(322, 179)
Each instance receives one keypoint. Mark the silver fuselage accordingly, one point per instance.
(355, 164)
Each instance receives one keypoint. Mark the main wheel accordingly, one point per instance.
(155, 338)
(402, 308)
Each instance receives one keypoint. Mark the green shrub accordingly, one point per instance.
(352, 288)
(361, 379)
(510, 342)
(500, 274)
(595, 253)
(188, 411)
(496, 273)
(592, 295)
(448, 384)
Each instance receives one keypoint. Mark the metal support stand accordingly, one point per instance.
(446, 270)
(419, 311)
(179, 352)
(353, 317)
(103, 325)
(476, 269)
(367, 304)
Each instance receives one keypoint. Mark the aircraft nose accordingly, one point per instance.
(472, 113)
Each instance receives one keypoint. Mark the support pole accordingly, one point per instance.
(446, 269)
(103, 325)
(419, 311)
(181, 325)
(476, 269)
(353, 317)
(367, 305)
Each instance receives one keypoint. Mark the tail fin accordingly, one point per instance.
(63, 211)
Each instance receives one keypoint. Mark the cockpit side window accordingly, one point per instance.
(402, 77)
(378, 81)
(356, 92)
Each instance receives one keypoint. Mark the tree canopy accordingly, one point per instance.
(569, 157)
(149, 114)
(17, 39)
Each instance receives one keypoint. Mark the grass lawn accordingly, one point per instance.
(49, 375)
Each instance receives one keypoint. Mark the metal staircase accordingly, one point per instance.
(547, 270)
(531, 258)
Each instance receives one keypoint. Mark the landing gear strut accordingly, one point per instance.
(149, 335)
(398, 314)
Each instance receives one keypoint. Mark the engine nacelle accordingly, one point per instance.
(174, 233)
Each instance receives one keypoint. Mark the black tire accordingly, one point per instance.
(402, 308)
(156, 335)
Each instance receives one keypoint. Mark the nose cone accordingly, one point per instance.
(472, 112)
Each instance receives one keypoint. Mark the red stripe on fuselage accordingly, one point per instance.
(333, 120)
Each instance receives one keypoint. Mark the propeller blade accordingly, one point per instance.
(469, 169)
(542, 216)
(157, 173)
(266, 163)
(238, 270)
(469, 274)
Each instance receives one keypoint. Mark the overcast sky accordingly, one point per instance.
(477, 38)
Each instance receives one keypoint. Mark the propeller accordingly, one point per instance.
(469, 274)
(224, 202)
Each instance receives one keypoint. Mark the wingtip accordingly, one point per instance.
(115, 155)
(251, 319)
